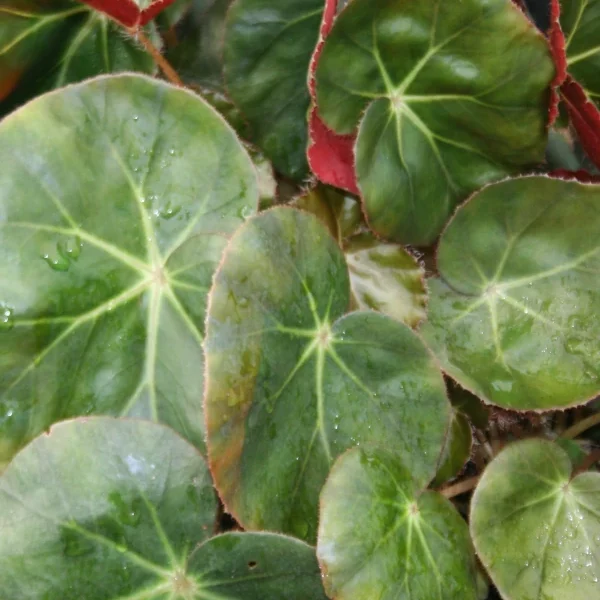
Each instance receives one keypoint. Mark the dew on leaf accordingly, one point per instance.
(7, 319)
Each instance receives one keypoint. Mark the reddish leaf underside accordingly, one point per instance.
(559, 54)
(579, 175)
(127, 12)
(585, 117)
(330, 156)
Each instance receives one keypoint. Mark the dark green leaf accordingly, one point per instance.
(449, 96)
(456, 450)
(292, 382)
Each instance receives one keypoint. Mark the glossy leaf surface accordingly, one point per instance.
(103, 280)
(514, 316)
(292, 382)
(45, 45)
(580, 22)
(537, 529)
(449, 97)
(268, 46)
(382, 536)
(122, 517)
(386, 278)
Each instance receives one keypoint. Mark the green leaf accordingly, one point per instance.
(456, 450)
(447, 97)
(268, 45)
(580, 22)
(45, 45)
(386, 278)
(382, 536)
(535, 528)
(514, 317)
(117, 197)
(292, 382)
(128, 526)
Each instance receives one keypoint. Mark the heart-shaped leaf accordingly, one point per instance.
(45, 45)
(444, 113)
(580, 23)
(536, 529)
(292, 382)
(101, 509)
(268, 45)
(131, 13)
(514, 316)
(386, 278)
(382, 536)
(116, 199)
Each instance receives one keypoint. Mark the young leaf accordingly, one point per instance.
(580, 22)
(535, 527)
(456, 450)
(513, 317)
(382, 536)
(386, 278)
(292, 382)
(117, 197)
(444, 113)
(268, 45)
(47, 45)
(101, 508)
(131, 13)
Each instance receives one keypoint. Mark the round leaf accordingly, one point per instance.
(454, 95)
(117, 197)
(103, 508)
(537, 530)
(268, 45)
(580, 22)
(381, 536)
(47, 45)
(514, 319)
(292, 382)
(386, 278)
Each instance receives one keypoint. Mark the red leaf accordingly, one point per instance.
(127, 12)
(559, 54)
(585, 118)
(579, 175)
(330, 155)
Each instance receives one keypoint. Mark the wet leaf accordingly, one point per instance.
(45, 45)
(382, 536)
(535, 528)
(268, 45)
(103, 280)
(440, 115)
(123, 517)
(513, 316)
(292, 381)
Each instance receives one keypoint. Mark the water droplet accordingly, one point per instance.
(56, 263)
(169, 211)
(245, 212)
(7, 319)
(135, 117)
(127, 513)
(172, 151)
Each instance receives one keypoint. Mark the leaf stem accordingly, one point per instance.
(460, 487)
(159, 59)
(579, 427)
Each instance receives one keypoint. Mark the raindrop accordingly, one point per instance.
(135, 117)
(169, 211)
(245, 212)
(7, 319)
(127, 513)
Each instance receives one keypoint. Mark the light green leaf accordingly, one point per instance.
(116, 199)
(382, 536)
(514, 316)
(107, 509)
(45, 45)
(268, 45)
(386, 278)
(535, 528)
(292, 382)
(580, 22)
(447, 96)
